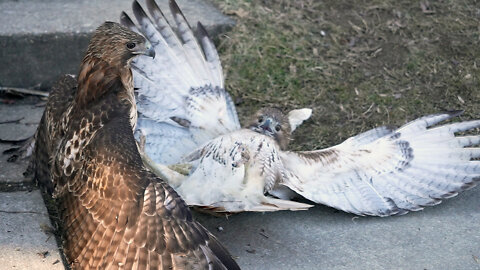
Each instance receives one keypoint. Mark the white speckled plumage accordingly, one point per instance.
(180, 92)
(186, 116)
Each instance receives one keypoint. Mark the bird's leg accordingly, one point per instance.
(141, 143)
(244, 156)
(173, 177)
(182, 168)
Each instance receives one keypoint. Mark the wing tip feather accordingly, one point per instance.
(222, 254)
(202, 32)
(454, 113)
(175, 9)
(153, 8)
(138, 11)
(126, 21)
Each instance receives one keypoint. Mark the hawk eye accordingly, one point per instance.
(131, 45)
(260, 119)
(278, 127)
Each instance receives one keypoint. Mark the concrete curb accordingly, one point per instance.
(41, 40)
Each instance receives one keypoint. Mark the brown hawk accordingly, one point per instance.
(116, 214)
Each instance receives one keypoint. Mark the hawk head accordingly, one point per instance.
(106, 66)
(117, 44)
(272, 122)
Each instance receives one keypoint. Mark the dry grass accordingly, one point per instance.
(358, 64)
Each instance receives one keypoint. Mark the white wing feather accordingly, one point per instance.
(182, 104)
(180, 92)
(232, 172)
(384, 172)
(380, 172)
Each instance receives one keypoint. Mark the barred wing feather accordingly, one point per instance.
(386, 172)
(180, 92)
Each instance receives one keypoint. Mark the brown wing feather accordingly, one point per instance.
(49, 129)
(116, 213)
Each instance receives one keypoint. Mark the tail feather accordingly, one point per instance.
(268, 204)
(272, 204)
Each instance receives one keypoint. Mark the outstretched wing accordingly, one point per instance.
(118, 215)
(385, 172)
(181, 97)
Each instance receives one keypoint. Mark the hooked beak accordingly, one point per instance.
(266, 125)
(150, 50)
(145, 49)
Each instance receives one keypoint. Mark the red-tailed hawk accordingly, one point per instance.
(115, 213)
(186, 116)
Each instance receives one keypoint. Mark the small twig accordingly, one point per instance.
(12, 121)
(24, 91)
(369, 108)
(12, 141)
(476, 259)
(22, 212)
(264, 235)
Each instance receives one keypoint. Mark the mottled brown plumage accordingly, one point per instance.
(272, 122)
(115, 213)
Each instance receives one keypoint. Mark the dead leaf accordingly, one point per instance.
(23, 91)
(475, 258)
(239, 12)
(293, 69)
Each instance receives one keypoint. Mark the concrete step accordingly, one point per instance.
(17, 122)
(41, 40)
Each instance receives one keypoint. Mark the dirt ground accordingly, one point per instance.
(358, 64)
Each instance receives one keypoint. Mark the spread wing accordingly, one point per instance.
(117, 214)
(385, 172)
(181, 97)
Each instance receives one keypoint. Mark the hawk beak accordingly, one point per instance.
(150, 50)
(266, 125)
